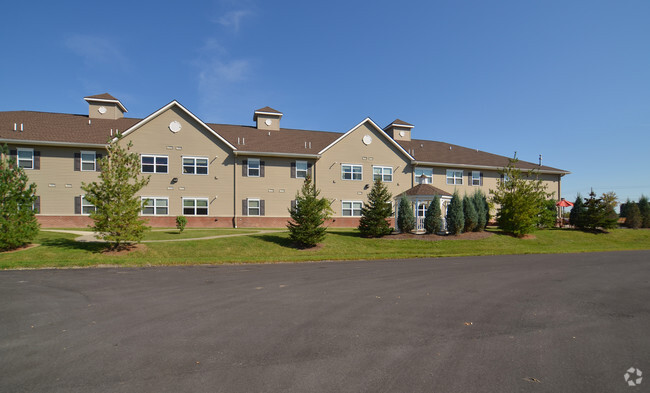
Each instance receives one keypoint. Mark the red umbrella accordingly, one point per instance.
(563, 203)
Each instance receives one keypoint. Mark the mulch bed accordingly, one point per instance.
(434, 238)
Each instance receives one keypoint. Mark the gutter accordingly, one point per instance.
(448, 164)
(274, 154)
(51, 143)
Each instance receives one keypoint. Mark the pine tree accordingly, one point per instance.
(548, 216)
(624, 207)
(376, 212)
(633, 219)
(18, 225)
(116, 217)
(644, 209)
(479, 203)
(597, 213)
(405, 217)
(576, 217)
(308, 216)
(469, 212)
(433, 216)
(455, 216)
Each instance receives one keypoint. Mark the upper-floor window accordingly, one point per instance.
(477, 178)
(254, 167)
(454, 176)
(351, 172)
(25, 158)
(155, 206)
(154, 164)
(351, 208)
(195, 165)
(195, 206)
(88, 161)
(383, 173)
(423, 175)
(301, 169)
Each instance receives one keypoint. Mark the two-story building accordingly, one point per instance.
(221, 175)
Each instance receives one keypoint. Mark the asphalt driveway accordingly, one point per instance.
(547, 323)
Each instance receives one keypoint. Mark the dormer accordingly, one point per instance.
(399, 130)
(105, 106)
(267, 119)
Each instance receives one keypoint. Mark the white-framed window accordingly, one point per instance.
(476, 178)
(454, 176)
(351, 208)
(351, 172)
(254, 207)
(195, 165)
(383, 173)
(253, 167)
(428, 175)
(88, 160)
(195, 206)
(87, 207)
(152, 163)
(155, 206)
(25, 158)
(301, 169)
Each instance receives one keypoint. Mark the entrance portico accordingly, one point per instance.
(420, 198)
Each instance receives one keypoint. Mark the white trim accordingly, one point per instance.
(48, 143)
(164, 108)
(268, 113)
(207, 166)
(472, 179)
(451, 164)
(248, 207)
(398, 125)
(273, 154)
(382, 132)
(382, 167)
(29, 149)
(154, 162)
(81, 161)
(306, 170)
(352, 172)
(417, 178)
(155, 207)
(352, 209)
(81, 206)
(195, 199)
(116, 101)
(454, 177)
(259, 167)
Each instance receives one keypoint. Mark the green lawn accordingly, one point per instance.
(59, 249)
(172, 234)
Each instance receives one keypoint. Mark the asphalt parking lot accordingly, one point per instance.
(547, 323)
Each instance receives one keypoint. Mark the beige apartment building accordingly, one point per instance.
(220, 175)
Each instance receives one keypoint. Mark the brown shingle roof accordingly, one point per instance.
(268, 109)
(441, 152)
(424, 189)
(104, 96)
(399, 122)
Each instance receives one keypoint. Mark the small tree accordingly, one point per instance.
(181, 221)
(116, 217)
(433, 216)
(18, 225)
(469, 212)
(644, 209)
(520, 198)
(633, 219)
(597, 214)
(624, 207)
(481, 206)
(308, 216)
(405, 217)
(376, 212)
(576, 217)
(548, 216)
(455, 217)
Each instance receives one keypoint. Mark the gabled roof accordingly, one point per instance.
(177, 104)
(267, 110)
(105, 97)
(424, 189)
(400, 123)
(382, 132)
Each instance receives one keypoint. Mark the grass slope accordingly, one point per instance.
(60, 250)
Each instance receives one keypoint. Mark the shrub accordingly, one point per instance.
(633, 219)
(18, 225)
(597, 214)
(181, 221)
(433, 216)
(376, 212)
(469, 212)
(308, 216)
(548, 216)
(482, 210)
(455, 216)
(405, 217)
(576, 217)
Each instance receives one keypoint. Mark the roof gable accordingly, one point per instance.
(105, 97)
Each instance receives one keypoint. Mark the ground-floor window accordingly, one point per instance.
(195, 206)
(351, 208)
(155, 206)
(87, 207)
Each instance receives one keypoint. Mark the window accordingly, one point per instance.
(351, 172)
(254, 167)
(87, 207)
(383, 173)
(428, 175)
(476, 178)
(254, 207)
(155, 206)
(301, 169)
(88, 161)
(153, 163)
(351, 208)
(195, 206)
(25, 158)
(454, 176)
(195, 165)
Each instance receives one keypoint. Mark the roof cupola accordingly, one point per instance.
(267, 118)
(105, 106)
(399, 130)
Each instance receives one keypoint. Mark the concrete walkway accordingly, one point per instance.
(85, 236)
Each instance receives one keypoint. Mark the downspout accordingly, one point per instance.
(234, 192)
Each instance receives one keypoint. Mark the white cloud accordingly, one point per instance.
(232, 19)
(97, 50)
(217, 72)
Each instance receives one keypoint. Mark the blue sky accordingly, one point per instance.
(566, 79)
